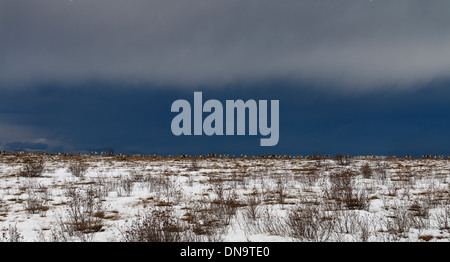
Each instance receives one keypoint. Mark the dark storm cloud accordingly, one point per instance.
(312, 120)
(349, 43)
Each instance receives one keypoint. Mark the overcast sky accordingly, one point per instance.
(86, 74)
(353, 44)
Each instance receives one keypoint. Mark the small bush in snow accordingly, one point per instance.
(33, 167)
(154, 226)
(10, 234)
(84, 213)
(366, 171)
(78, 169)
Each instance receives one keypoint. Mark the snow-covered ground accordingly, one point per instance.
(169, 199)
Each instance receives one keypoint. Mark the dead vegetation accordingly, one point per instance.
(33, 167)
(153, 199)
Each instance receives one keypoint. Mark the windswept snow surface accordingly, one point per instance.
(219, 199)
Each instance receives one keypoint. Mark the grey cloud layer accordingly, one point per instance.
(355, 43)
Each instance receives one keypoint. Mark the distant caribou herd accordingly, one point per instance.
(224, 156)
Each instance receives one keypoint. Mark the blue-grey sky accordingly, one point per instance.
(352, 76)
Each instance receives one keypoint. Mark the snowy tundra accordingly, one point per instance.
(110, 198)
